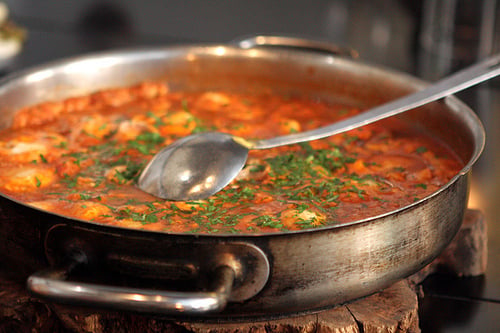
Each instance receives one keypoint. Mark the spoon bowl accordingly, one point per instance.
(200, 165)
(194, 167)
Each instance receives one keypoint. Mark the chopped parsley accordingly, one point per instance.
(144, 218)
(131, 173)
(421, 150)
(146, 143)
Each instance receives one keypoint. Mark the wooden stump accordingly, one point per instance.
(394, 309)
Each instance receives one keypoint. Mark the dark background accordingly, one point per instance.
(425, 38)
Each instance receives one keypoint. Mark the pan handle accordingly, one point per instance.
(52, 284)
(249, 42)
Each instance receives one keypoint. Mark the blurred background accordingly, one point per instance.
(427, 38)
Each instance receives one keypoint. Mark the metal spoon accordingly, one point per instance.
(200, 165)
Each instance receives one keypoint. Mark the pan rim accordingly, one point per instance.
(412, 82)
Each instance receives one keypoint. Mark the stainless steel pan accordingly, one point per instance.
(239, 276)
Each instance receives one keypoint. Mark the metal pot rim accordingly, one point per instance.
(110, 58)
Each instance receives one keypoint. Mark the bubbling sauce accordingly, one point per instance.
(81, 158)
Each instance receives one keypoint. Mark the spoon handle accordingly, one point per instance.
(459, 81)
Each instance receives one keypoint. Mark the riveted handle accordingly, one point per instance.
(227, 271)
(52, 284)
(294, 42)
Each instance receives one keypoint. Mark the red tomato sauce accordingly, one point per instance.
(81, 158)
